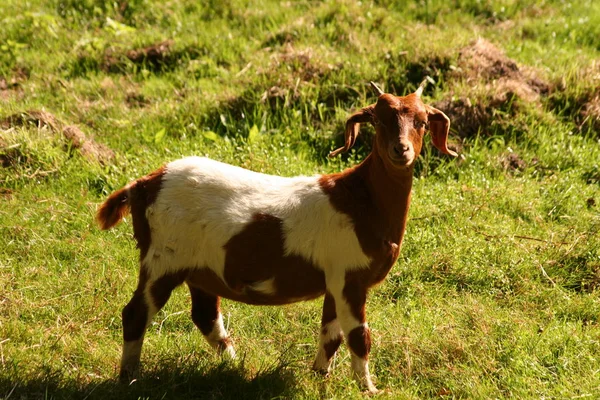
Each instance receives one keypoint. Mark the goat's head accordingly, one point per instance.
(400, 124)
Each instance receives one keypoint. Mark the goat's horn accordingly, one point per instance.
(377, 89)
(419, 91)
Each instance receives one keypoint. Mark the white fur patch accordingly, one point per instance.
(264, 287)
(216, 336)
(203, 203)
(130, 358)
(360, 369)
(333, 332)
(345, 317)
(218, 331)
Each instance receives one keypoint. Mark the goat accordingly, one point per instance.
(268, 240)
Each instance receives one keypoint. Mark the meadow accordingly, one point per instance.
(496, 293)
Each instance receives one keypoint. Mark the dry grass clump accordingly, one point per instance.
(88, 148)
(487, 88)
(512, 162)
(11, 86)
(296, 67)
(482, 62)
(155, 56)
(38, 118)
(590, 113)
(76, 139)
(577, 98)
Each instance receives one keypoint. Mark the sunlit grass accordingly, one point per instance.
(495, 294)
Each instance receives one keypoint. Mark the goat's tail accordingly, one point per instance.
(112, 211)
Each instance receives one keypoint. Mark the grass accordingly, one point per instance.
(496, 293)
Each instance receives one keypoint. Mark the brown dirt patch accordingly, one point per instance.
(591, 202)
(298, 67)
(482, 61)
(155, 56)
(13, 156)
(512, 162)
(577, 99)
(471, 118)
(12, 86)
(590, 113)
(302, 62)
(88, 148)
(288, 34)
(37, 118)
(6, 193)
(490, 89)
(76, 139)
(133, 99)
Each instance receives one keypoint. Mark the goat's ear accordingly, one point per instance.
(439, 125)
(352, 128)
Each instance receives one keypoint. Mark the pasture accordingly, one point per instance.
(496, 293)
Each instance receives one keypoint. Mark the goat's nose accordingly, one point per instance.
(401, 148)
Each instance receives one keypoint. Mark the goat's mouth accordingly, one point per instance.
(402, 160)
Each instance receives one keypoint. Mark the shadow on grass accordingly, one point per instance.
(222, 381)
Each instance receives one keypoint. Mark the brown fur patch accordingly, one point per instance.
(224, 343)
(376, 197)
(331, 347)
(355, 293)
(249, 261)
(135, 313)
(205, 309)
(114, 208)
(142, 194)
(162, 288)
(329, 313)
(378, 210)
(359, 341)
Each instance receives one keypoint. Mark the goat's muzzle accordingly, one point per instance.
(401, 154)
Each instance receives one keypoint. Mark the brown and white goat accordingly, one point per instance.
(261, 239)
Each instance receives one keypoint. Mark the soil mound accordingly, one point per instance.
(492, 88)
(75, 138)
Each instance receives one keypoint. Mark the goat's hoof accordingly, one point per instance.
(321, 371)
(228, 353)
(373, 391)
(128, 377)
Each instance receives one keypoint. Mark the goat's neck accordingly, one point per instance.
(390, 193)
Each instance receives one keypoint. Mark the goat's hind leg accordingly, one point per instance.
(207, 316)
(150, 296)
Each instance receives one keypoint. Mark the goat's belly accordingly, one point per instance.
(289, 285)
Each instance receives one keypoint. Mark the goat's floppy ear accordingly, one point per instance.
(439, 125)
(352, 128)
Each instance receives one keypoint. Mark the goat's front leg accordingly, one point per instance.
(330, 337)
(350, 297)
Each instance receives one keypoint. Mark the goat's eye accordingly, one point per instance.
(421, 124)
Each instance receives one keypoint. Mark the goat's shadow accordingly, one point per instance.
(222, 381)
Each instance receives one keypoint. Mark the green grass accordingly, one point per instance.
(496, 293)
